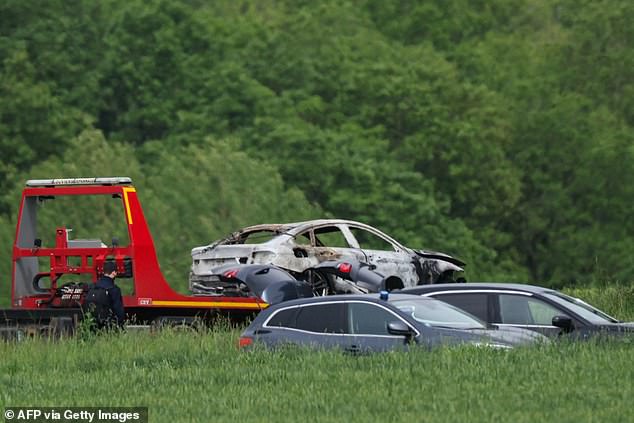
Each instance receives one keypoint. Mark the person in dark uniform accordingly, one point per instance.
(104, 300)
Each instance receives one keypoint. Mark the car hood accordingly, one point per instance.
(435, 336)
(512, 335)
(435, 255)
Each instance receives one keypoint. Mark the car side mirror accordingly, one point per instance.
(563, 322)
(399, 328)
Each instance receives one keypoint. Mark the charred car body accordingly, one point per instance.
(300, 247)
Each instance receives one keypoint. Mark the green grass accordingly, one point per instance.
(202, 377)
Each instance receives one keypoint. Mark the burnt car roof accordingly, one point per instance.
(287, 227)
(534, 289)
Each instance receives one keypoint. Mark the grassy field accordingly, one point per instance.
(201, 377)
(183, 376)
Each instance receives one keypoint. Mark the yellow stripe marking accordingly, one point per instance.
(220, 304)
(126, 190)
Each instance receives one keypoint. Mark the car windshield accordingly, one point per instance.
(437, 313)
(583, 309)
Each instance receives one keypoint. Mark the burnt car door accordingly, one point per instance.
(368, 325)
(388, 256)
(332, 242)
(328, 242)
(320, 244)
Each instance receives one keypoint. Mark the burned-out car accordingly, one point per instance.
(300, 247)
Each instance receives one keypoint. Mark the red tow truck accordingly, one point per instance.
(49, 281)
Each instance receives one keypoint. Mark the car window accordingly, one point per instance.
(433, 312)
(330, 236)
(369, 319)
(473, 303)
(322, 318)
(525, 310)
(303, 238)
(283, 318)
(369, 241)
(257, 237)
(582, 308)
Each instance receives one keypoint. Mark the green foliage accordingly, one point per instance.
(444, 23)
(7, 234)
(34, 122)
(597, 58)
(497, 131)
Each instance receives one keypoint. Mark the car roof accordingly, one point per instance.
(534, 289)
(299, 226)
(375, 298)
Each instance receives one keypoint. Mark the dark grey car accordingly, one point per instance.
(357, 323)
(531, 307)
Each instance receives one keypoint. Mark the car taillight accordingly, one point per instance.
(344, 267)
(245, 341)
(230, 273)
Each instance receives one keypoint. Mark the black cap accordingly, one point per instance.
(109, 267)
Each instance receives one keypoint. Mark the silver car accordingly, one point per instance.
(297, 247)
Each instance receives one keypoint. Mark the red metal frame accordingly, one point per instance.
(150, 287)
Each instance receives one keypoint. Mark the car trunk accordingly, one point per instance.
(205, 261)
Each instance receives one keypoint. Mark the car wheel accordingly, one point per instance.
(393, 283)
(320, 283)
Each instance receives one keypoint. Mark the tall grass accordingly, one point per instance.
(616, 300)
(202, 377)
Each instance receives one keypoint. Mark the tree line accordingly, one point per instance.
(498, 131)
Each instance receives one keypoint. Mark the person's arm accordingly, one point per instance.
(117, 304)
